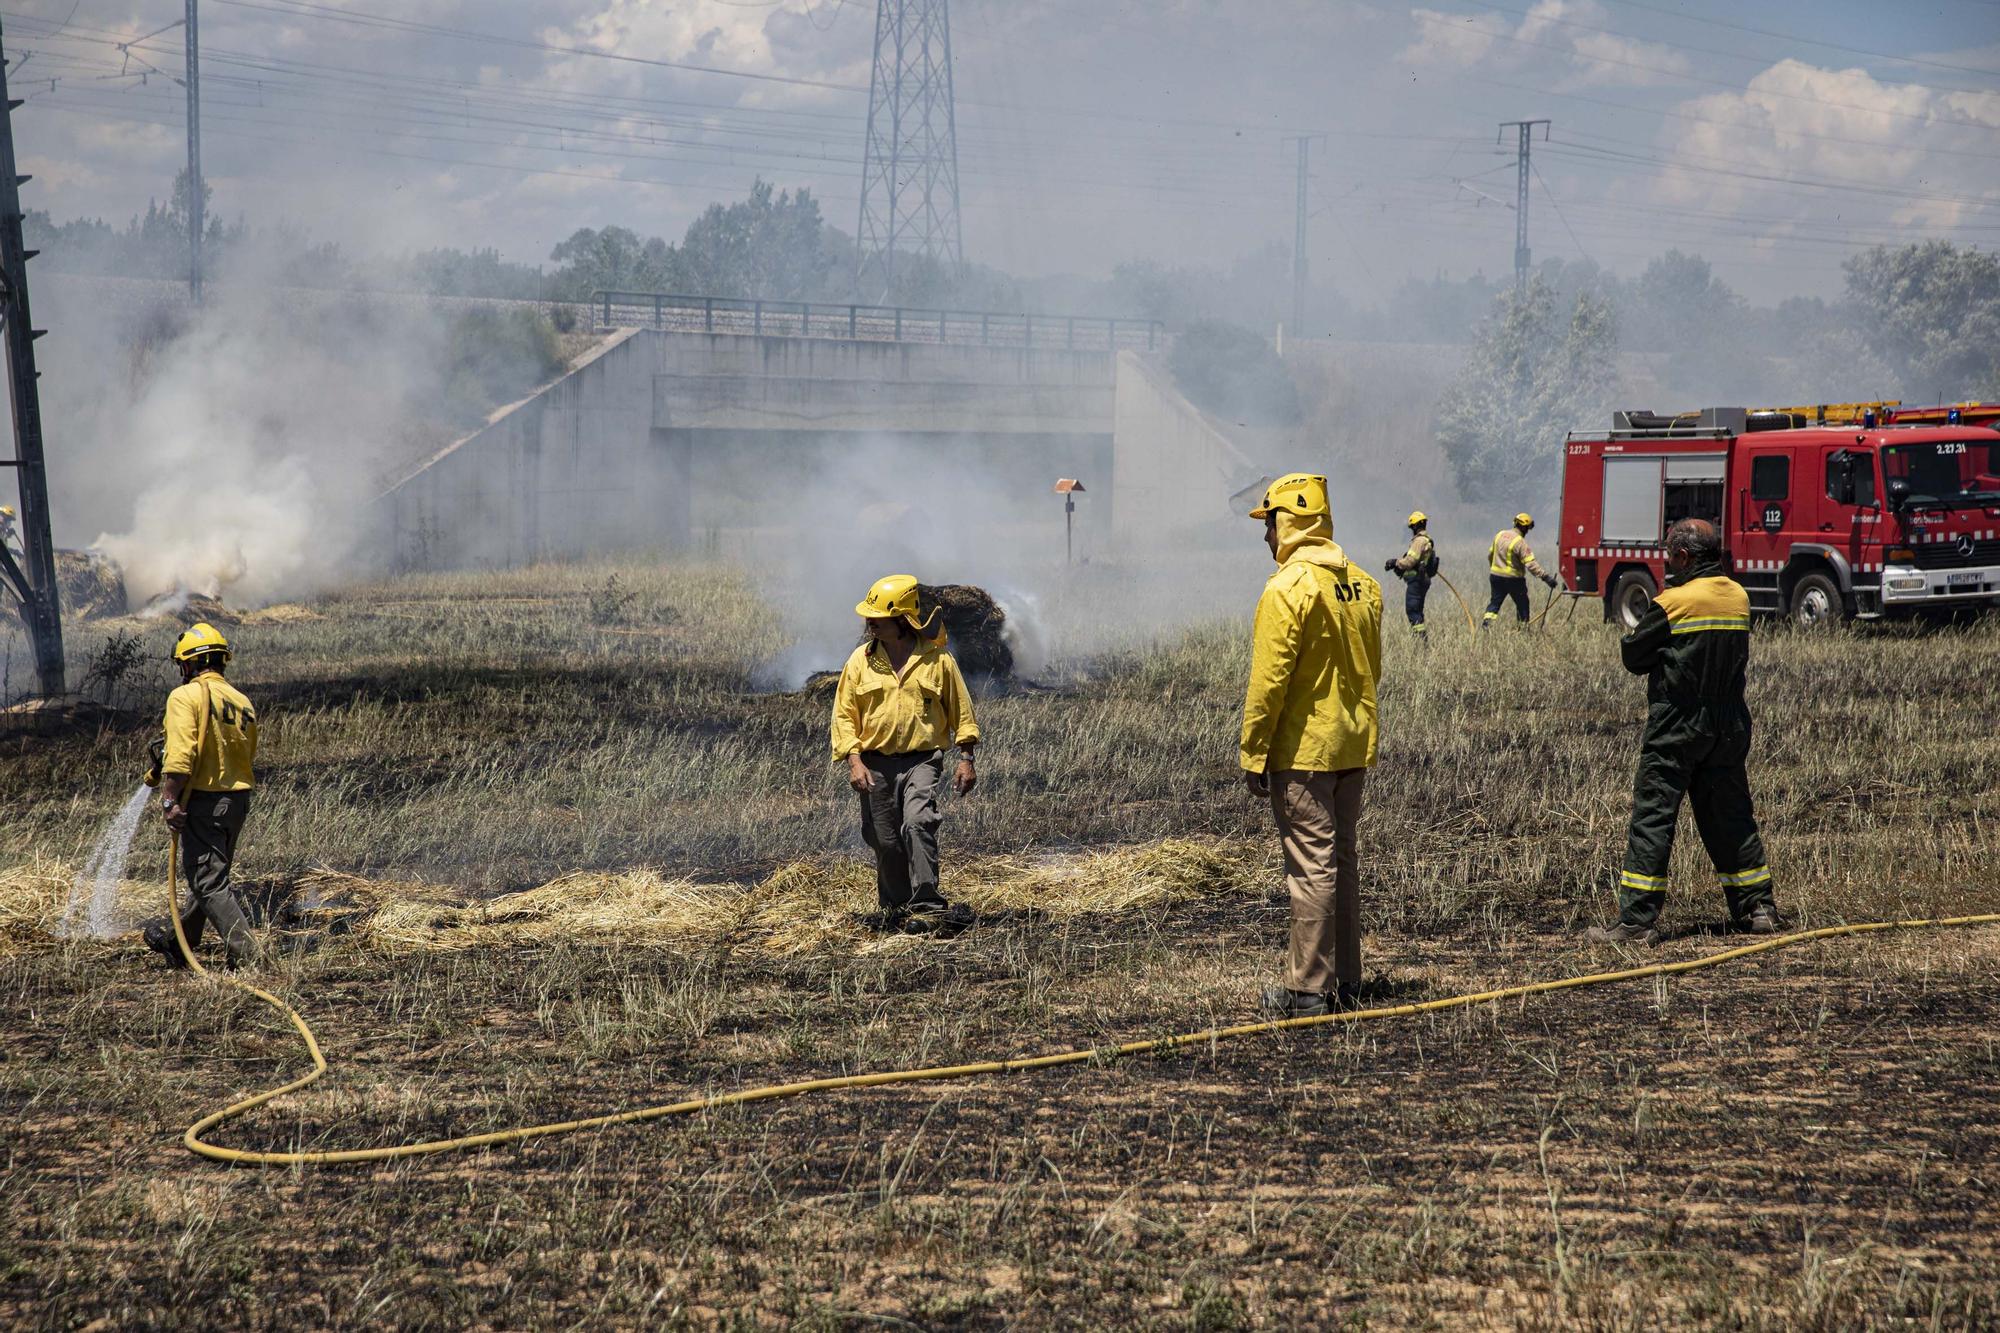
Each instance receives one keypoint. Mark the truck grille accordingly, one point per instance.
(1946, 555)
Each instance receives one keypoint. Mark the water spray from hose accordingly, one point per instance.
(92, 911)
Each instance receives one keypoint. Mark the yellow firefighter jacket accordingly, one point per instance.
(927, 709)
(1315, 657)
(211, 735)
(1510, 556)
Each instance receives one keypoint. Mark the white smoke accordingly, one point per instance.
(233, 450)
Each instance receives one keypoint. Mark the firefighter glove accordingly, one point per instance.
(1389, 565)
(1549, 579)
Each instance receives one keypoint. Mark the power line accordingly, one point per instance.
(1551, 196)
(1423, 16)
(1538, 16)
(1738, 125)
(360, 18)
(1806, 41)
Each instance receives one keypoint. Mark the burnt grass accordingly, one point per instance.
(1808, 1139)
(1803, 1140)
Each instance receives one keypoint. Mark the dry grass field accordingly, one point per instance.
(586, 865)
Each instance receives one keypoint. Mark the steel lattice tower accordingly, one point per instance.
(909, 162)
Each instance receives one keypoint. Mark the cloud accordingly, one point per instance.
(1566, 30)
(1799, 120)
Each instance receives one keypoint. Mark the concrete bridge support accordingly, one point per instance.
(658, 436)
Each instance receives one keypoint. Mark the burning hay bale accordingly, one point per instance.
(210, 609)
(90, 584)
(976, 624)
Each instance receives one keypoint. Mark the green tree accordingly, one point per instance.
(1231, 371)
(1530, 379)
(1932, 312)
(613, 259)
(769, 245)
(1677, 299)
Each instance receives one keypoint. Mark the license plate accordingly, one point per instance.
(1971, 578)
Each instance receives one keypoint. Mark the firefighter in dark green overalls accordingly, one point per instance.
(1693, 645)
(1418, 565)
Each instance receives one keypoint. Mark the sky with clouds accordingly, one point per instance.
(1774, 139)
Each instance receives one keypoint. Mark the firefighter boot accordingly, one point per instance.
(1283, 1002)
(1622, 932)
(1751, 911)
(159, 937)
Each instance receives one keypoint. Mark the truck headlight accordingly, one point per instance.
(1905, 582)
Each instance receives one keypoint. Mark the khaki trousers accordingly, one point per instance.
(1318, 819)
(899, 822)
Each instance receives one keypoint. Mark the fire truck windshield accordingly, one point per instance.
(1943, 474)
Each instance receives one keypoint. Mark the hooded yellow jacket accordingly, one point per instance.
(927, 709)
(211, 735)
(1315, 658)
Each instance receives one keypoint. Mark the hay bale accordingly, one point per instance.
(210, 609)
(975, 625)
(90, 584)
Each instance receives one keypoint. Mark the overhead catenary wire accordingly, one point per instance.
(1653, 69)
(194, 1142)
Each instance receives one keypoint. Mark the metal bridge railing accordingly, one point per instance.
(877, 323)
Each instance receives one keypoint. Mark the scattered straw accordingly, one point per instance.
(284, 613)
(804, 907)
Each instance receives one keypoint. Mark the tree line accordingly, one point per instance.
(1919, 323)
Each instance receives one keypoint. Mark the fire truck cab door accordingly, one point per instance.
(1768, 502)
(1847, 495)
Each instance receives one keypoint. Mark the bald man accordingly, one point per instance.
(1693, 646)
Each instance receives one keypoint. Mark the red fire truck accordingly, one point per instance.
(1852, 509)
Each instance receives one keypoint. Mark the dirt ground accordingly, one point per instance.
(1807, 1139)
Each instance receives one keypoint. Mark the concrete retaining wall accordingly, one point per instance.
(723, 381)
(575, 468)
(1174, 467)
(609, 457)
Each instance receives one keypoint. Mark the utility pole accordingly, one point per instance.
(1526, 129)
(909, 156)
(35, 586)
(195, 190)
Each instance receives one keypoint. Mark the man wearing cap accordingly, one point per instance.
(1508, 564)
(1417, 565)
(1309, 737)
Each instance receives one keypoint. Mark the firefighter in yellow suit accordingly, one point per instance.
(207, 779)
(900, 704)
(1509, 561)
(1309, 736)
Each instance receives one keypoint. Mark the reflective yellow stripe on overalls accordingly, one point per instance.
(1503, 565)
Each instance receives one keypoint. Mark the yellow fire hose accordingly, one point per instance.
(1469, 625)
(936, 1073)
(1548, 605)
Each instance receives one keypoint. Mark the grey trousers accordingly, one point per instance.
(1319, 817)
(208, 850)
(899, 822)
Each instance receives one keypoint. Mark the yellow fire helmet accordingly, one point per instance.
(6, 511)
(894, 595)
(1301, 493)
(1524, 521)
(198, 639)
(1417, 518)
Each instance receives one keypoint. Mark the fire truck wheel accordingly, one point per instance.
(1816, 602)
(1631, 594)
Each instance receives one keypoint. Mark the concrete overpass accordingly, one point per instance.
(660, 433)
